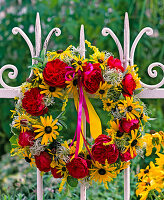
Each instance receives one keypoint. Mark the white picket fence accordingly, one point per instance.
(127, 58)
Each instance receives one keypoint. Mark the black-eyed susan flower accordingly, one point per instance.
(131, 109)
(102, 173)
(62, 169)
(103, 89)
(28, 158)
(50, 91)
(134, 72)
(151, 141)
(21, 122)
(79, 62)
(99, 57)
(108, 104)
(59, 54)
(46, 130)
(134, 142)
(72, 86)
(114, 130)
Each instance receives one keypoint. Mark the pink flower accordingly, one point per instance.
(127, 125)
(126, 156)
(129, 85)
(114, 63)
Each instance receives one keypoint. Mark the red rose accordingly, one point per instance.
(26, 138)
(33, 102)
(114, 63)
(55, 174)
(103, 138)
(54, 73)
(91, 77)
(129, 85)
(126, 156)
(127, 125)
(77, 168)
(101, 152)
(43, 161)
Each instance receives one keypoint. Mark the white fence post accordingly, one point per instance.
(82, 53)
(150, 91)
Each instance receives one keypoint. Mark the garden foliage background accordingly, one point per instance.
(16, 178)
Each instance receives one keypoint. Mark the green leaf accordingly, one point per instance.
(137, 91)
(13, 140)
(38, 59)
(72, 181)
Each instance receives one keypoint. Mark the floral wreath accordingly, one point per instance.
(37, 129)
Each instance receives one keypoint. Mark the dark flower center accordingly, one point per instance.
(100, 61)
(79, 62)
(75, 82)
(63, 169)
(146, 171)
(59, 51)
(48, 129)
(53, 150)
(119, 134)
(52, 89)
(148, 183)
(129, 108)
(88, 157)
(27, 159)
(152, 132)
(108, 104)
(141, 117)
(102, 91)
(134, 143)
(102, 171)
(72, 61)
(114, 109)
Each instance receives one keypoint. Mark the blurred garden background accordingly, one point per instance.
(17, 179)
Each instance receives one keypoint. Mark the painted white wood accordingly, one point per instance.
(39, 185)
(82, 53)
(125, 64)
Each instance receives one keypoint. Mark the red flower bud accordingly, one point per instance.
(43, 161)
(33, 102)
(127, 125)
(54, 73)
(78, 168)
(129, 85)
(55, 174)
(126, 156)
(26, 138)
(114, 63)
(102, 152)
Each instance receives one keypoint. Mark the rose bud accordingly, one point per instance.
(78, 168)
(126, 126)
(54, 73)
(43, 161)
(126, 156)
(129, 85)
(33, 102)
(91, 77)
(115, 63)
(55, 174)
(26, 138)
(101, 152)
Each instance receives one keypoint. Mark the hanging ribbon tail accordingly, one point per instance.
(79, 121)
(94, 120)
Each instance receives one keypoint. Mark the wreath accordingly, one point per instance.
(38, 129)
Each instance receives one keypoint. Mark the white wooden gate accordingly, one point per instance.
(127, 58)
